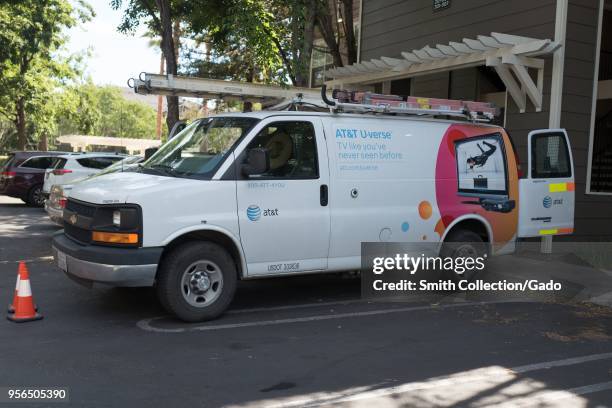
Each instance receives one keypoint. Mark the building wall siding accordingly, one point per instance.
(392, 26)
(593, 212)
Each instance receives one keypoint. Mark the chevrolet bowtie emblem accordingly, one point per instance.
(73, 219)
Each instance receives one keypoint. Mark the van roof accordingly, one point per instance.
(266, 114)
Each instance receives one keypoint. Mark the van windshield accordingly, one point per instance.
(199, 150)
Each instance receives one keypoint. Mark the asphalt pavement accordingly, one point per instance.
(302, 341)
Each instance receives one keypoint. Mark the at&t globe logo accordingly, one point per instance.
(547, 202)
(253, 212)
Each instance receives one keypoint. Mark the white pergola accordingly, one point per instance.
(511, 56)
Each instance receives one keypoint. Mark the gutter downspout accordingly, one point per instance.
(556, 88)
(360, 30)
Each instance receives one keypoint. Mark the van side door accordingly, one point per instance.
(284, 214)
(546, 196)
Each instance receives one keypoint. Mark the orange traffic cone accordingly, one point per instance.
(24, 304)
(11, 307)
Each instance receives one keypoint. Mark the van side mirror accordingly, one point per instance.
(257, 162)
(150, 152)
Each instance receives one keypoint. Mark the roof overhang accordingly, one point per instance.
(511, 56)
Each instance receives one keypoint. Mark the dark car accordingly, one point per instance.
(22, 175)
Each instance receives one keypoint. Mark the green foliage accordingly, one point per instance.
(124, 118)
(248, 40)
(103, 111)
(32, 33)
(137, 12)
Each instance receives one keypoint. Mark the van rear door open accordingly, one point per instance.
(546, 196)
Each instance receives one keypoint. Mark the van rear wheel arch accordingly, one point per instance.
(469, 237)
(473, 225)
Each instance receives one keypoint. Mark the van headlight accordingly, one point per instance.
(117, 218)
(117, 225)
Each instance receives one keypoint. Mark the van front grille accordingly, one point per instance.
(77, 220)
(85, 210)
(78, 234)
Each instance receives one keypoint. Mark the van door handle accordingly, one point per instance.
(324, 195)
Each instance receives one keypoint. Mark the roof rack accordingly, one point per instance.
(369, 102)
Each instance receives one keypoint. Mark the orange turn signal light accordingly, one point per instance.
(115, 237)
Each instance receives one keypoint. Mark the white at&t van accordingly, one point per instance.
(251, 195)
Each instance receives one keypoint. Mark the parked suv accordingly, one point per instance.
(22, 175)
(70, 167)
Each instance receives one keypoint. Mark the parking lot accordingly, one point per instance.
(307, 341)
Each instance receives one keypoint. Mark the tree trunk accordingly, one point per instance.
(176, 38)
(43, 143)
(20, 124)
(167, 46)
(303, 74)
(160, 103)
(326, 27)
(349, 31)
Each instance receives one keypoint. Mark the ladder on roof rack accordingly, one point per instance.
(369, 102)
(267, 95)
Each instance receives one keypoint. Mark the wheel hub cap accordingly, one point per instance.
(200, 282)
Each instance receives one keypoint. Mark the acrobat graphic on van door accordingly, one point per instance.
(476, 175)
(481, 167)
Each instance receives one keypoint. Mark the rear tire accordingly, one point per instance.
(463, 243)
(36, 198)
(196, 281)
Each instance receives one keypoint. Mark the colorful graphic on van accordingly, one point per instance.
(458, 188)
(481, 165)
(425, 210)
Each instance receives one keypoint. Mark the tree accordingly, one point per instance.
(266, 41)
(336, 27)
(31, 33)
(88, 109)
(160, 16)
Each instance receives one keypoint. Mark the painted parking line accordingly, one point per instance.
(298, 306)
(562, 363)
(145, 324)
(510, 390)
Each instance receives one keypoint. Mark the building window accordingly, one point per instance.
(601, 148)
(322, 61)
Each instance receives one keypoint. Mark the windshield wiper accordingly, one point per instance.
(162, 168)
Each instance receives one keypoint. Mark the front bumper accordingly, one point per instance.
(88, 264)
(56, 214)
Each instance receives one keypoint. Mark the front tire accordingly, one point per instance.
(462, 244)
(196, 281)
